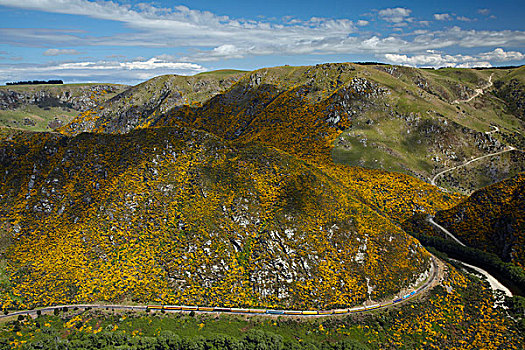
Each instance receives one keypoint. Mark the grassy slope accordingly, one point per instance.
(395, 135)
(480, 174)
(413, 128)
(140, 104)
(39, 117)
(292, 118)
(221, 73)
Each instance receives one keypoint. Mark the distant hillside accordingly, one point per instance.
(483, 173)
(393, 118)
(47, 107)
(511, 88)
(492, 219)
(134, 107)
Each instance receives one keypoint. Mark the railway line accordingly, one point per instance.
(262, 312)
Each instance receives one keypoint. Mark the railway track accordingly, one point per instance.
(262, 312)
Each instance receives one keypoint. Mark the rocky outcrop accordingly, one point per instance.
(140, 105)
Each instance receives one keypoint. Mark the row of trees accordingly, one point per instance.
(35, 82)
(252, 340)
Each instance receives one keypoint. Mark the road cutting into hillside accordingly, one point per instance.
(494, 130)
(477, 92)
(447, 232)
(436, 272)
(508, 149)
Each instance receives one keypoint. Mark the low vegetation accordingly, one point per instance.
(459, 315)
(492, 219)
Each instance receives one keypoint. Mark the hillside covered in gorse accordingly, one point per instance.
(284, 187)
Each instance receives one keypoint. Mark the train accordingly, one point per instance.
(266, 311)
(291, 312)
(282, 312)
(260, 311)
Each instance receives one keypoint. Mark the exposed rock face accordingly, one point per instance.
(28, 121)
(55, 123)
(142, 104)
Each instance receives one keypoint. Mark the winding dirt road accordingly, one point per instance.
(431, 220)
(508, 149)
(477, 92)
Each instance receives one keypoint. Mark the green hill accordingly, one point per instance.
(47, 107)
(285, 187)
(393, 118)
(134, 107)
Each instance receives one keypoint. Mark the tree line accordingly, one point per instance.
(35, 82)
(252, 340)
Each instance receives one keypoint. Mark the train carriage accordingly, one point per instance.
(172, 307)
(293, 312)
(308, 312)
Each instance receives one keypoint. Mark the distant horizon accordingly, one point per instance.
(243, 70)
(130, 41)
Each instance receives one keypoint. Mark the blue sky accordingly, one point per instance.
(129, 41)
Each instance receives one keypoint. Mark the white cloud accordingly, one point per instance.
(395, 15)
(442, 16)
(434, 59)
(463, 19)
(56, 52)
(209, 37)
(151, 64)
(179, 26)
(226, 50)
(499, 55)
(101, 71)
(476, 64)
(362, 22)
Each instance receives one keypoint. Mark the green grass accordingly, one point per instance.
(207, 326)
(39, 116)
(398, 145)
(221, 72)
(5, 241)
